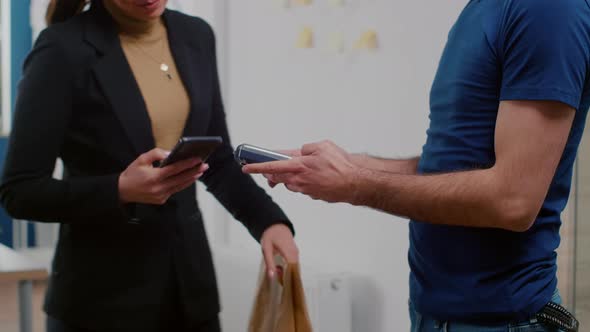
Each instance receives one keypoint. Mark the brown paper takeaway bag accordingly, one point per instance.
(280, 304)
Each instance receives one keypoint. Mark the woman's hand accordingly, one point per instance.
(143, 183)
(278, 239)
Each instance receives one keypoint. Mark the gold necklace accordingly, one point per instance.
(163, 66)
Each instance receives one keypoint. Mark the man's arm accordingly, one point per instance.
(408, 166)
(529, 142)
(398, 166)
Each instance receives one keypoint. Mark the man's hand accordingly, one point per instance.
(278, 239)
(323, 171)
(291, 153)
(530, 138)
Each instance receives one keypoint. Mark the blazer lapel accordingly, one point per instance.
(117, 81)
(191, 65)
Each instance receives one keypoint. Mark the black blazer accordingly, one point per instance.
(116, 266)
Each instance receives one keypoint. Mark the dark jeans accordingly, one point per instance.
(421, 323)
(55, 325)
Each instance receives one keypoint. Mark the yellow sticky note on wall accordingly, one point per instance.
(368, 41)
(305, 39)
(303, 2)
(337, 3)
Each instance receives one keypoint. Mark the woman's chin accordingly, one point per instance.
(151, 10)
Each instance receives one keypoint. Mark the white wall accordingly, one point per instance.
(202, 8)
(282, 97)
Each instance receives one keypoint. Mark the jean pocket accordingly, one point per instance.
(529, 327)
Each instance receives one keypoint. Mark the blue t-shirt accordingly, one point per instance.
(498, 50)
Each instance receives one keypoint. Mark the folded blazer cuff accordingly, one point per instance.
(266, 222)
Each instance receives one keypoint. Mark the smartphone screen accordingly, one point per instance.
(192, 147)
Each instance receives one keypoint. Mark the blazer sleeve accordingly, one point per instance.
(236, 191)
(43, 108)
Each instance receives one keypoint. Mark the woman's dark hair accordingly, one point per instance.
(61, 10)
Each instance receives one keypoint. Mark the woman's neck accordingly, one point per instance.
(133, 27)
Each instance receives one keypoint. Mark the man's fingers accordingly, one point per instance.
(294, 188)
(291, 153)
(274, 167)
(310, 148)
(281, 178)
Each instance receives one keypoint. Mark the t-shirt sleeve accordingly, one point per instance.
(544, 50)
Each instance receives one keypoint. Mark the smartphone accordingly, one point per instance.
(249, 154)
(192, 147)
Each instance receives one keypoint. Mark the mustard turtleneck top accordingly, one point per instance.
(145, 44)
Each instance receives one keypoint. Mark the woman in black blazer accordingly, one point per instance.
(132, 253)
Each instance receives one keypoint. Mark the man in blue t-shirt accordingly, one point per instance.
(508, 107)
